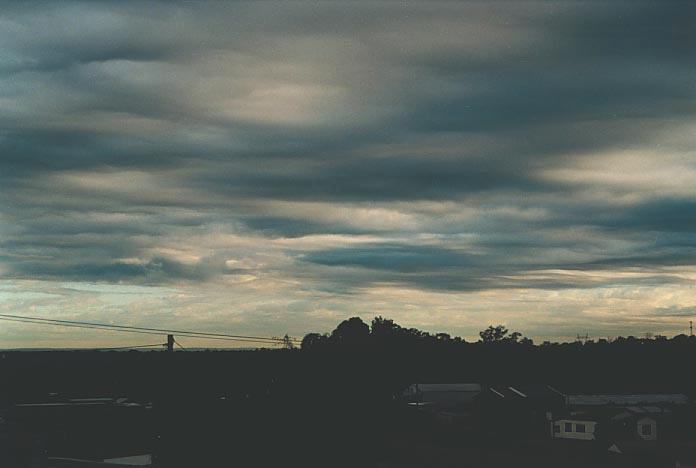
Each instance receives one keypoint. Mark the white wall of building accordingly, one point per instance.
(647, 428)
(573, 429)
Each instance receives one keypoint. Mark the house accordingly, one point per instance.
(577, 429)
(617, 418)
(647, 423)
(523, 412)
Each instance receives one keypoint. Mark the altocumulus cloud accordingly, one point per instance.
(273, 167)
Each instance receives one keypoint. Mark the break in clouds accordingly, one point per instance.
(276, 167)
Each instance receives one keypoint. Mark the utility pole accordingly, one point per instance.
(287, 342)
(170, 343)
(691, 328)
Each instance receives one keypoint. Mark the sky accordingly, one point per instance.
(270, 168)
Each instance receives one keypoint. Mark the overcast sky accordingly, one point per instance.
(272, 168)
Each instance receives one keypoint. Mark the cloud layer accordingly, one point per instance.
(302, 163)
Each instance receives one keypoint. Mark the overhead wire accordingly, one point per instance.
(41, 322)
(141, 330)
(149, 329)
(158, 345)
(136, 331)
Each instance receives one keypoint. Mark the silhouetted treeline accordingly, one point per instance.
(385, 333)
(354, 333)
(501, 356)
(381, 354)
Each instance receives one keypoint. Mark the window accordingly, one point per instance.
(646, 429)
(568, 427)
(556, 428)
(579, 428)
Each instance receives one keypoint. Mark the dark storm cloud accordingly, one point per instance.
(512, 267)
(294, 227)
(124, 108)
(154, 271)
(667, 222)
(665, 215)
(675, 311)
(394, 257)
(649, 32)
(398, 178)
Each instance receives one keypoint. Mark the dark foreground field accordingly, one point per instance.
(326, 406)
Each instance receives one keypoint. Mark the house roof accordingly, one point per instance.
(627, 400)
(136, 460)
(572, 419)
(448, 387)
(524, 391)
(622, 415)
(451, 394)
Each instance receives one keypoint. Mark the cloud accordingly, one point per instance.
(323, 152)
(152, 271)
(675, 311)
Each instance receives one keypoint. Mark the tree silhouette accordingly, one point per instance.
(500, 334)
(313, 340)
(384, 328)
(351, 332)
(494, 334)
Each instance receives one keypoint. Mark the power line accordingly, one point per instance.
(158, 345)
(35, 322)
(142, 330)
(157, 331)
(160, 330)
(47, 322)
